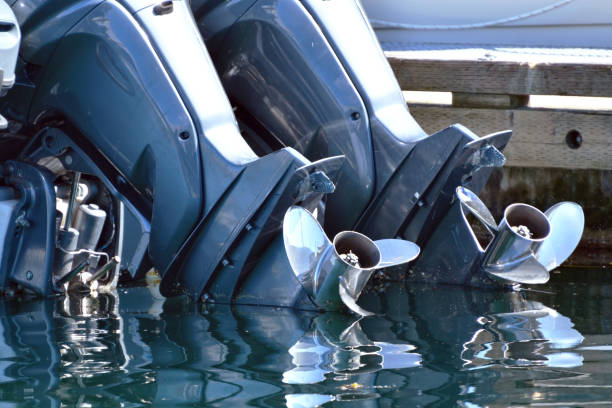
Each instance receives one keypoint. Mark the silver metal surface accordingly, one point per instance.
(566, 227)
(318, 264)
(528, 271)
(347, 245)
(89, 221)
(336, 273)
(336, 263)
(66, 243)
(305, 243)
(470, 201)
(396, 251)
(72, 200)
(327, 280)
(510, 256)
(350, 301)
(106, 268)
(454, 254)
(73, 273)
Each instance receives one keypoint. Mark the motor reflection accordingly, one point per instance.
(133, 346)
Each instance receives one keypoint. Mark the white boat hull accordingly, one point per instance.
(528, 23)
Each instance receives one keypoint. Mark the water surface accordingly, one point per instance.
(427, 346)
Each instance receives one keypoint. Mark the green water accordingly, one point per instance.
(428, 346)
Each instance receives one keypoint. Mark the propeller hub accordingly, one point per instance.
(351, 259)
(357, 250)
(523, 231)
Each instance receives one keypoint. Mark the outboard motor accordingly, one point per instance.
(130, 159)
(125, 155)
(298, 78)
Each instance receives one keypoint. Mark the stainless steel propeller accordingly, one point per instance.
(510, 255)
(528, 271)
(566, 228)
(335, 273)
(527, 243)
(396, 251)
(474, 204)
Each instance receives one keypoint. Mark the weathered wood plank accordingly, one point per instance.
(499, 71)
(539, 138)
(480, 100)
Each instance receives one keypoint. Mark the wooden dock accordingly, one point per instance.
(556, 101)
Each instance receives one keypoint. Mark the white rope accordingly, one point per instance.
(390, 24)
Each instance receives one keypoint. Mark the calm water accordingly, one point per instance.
(430, 346)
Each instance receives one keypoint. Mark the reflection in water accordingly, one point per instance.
(440, 345)
(337, 344)
(524, 338)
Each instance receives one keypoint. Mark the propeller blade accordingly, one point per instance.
(348, 300)
(305, 243)
(475, 205)
(396, 252)
(566, 224)
(529, 271)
